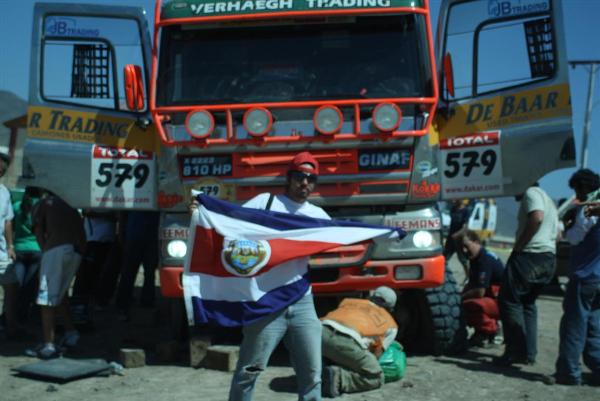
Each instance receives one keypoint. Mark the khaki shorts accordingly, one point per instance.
(57, 269)
(8, 274)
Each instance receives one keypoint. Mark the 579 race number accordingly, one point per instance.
(471, 165)
(211, 190)
(118, 173)
(467, 162)
(122, 178)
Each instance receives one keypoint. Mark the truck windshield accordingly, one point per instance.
(357, 57)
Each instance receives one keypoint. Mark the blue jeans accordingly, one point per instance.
(525, 275)
(579, 331)
(136, 251)
(300, 329)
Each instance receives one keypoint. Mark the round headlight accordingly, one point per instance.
(387, 117)
(177, 248)
(199, 123)
(328, 120)
(422, 239)
(258, 121)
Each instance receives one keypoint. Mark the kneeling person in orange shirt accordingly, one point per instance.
(354, 336)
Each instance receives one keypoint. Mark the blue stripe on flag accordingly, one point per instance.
(233, 314)
(278, 220)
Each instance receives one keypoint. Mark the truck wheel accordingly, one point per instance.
(430, 320)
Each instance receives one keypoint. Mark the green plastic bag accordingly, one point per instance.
(393, 362)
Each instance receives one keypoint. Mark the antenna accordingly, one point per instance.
(590, 104)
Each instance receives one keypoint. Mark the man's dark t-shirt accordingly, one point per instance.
(486, 270)
(459, 216)
(56, 223)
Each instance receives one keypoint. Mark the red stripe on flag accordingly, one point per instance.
(206, 254)
(283, 250)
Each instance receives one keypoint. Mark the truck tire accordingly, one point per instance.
(430, 320)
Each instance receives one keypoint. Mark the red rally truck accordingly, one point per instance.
(225, 92)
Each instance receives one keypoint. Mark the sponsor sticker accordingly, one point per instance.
(426, 169)
(548, 102)
(236, 7)
(174, 232)
(122, 178)
(425, 190)
(197, 166)
(68, 26)
(386, 159)
(89, 127)
(415, 224)
(167, 201)
(213, 187)
(503, 8)
(472, 165)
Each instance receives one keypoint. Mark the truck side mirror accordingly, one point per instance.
(134, 87)
(449, 74)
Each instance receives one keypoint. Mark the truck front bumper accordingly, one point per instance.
(399, 274)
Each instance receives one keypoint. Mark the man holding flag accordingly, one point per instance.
(249, 267)
(298, 324)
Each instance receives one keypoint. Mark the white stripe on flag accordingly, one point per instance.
(234, 228)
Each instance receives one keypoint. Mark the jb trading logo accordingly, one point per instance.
(62, 26)
(498, 8)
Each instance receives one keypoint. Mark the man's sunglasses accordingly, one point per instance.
(300, 176)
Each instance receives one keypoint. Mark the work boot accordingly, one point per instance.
(565, 381)
(477, 340)
(507, 360)
(331, 381)
(594, 380)
(43, 351)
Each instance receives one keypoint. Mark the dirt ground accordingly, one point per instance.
(470, 377)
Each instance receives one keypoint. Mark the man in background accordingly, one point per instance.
(580, 323)
(479, 302)
(459, 220)
(100, 233)
(59, 231)
(529, 268)
(28, 252)
(8, 277)
(140, 248)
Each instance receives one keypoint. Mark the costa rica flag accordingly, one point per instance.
(247, 263)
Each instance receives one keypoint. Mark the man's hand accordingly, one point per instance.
(473, 293)
(532, 225)
(194, 205)
(11, 253)
(593, 209)
(377, 349)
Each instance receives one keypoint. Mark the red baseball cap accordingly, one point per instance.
(302, 158)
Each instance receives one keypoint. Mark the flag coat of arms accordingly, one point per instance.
(246, 263)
